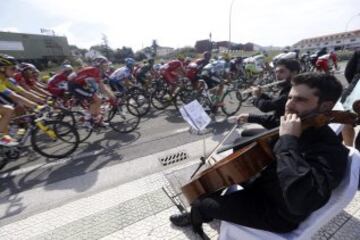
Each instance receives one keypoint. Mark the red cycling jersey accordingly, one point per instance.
(169, 71)
(21, 79)
(55, 82)
(173, 65)
(87, 73)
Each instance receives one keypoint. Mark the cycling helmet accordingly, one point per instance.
(100, 60)
(129, 62)
(67, 68)
(27, 66)
(6, 60)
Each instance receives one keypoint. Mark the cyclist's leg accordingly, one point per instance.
(5, 113)
(218, 83)
(95, 110)
(171, 78)
(5, 116)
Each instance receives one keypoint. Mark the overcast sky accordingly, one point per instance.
(135, 23)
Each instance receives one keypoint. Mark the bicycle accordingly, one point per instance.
(231, 98)
(43, 133)
(162, 97)
(121, 117)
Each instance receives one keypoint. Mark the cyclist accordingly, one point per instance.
(57, 84)
(171, 72)
(11, 92)
(254, 66)
(122, 77)
(144, 72)
(27, 79)
(314, 57)
(236, 67)
(324, 62)
(7, 69)
(193, 69)
(187, 61)
(214, 74)
(85, 85)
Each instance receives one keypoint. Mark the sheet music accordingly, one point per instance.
(194, 114)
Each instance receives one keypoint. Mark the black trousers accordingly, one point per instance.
(244, 207)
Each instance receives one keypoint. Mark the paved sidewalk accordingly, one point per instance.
(139, 210)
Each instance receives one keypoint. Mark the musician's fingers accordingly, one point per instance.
(282, 119)
(292, 117)
(288, 117)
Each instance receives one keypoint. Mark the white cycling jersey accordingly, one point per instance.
(121, 74)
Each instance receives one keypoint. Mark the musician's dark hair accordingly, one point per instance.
(328, 87)
(292, 64)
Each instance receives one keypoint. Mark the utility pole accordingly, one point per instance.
(106, 44)
(230, 13)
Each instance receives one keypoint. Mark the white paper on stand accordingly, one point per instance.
(194, 114)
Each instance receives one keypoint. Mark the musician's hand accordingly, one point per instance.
(242, 118)
(290, 124)
(256, 91)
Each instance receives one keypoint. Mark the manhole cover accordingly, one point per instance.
(174, 158)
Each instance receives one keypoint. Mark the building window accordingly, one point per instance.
(338, 41)
(326, 43)
(353, 40)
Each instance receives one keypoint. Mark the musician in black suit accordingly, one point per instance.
(309, 163)
(286, 69)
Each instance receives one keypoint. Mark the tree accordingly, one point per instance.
(78, 51)
(140, 55)
(121, 54)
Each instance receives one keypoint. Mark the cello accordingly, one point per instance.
(248, 161)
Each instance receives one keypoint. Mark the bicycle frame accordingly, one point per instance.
(33, 124)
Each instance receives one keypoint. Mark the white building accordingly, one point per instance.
(338, 41)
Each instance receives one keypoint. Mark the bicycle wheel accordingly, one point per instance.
(77, 120)
(139, 100)
(231, 102)
(64, 143)
(161, 99)
(81, 126)
(122, 120)
(183, 97)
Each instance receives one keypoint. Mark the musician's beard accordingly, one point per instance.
(302, 114)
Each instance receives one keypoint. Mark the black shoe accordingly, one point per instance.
(181, 220)
(199, 230)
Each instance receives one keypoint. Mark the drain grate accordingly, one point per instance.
(174, 158)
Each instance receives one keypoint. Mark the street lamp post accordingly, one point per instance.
(230, 12)
(347, 25)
